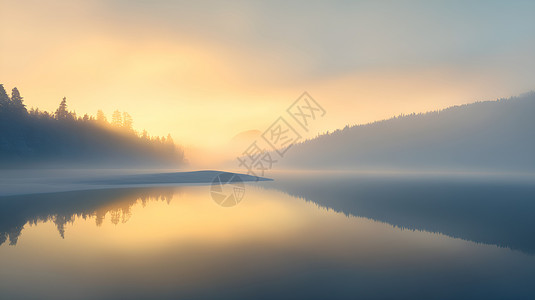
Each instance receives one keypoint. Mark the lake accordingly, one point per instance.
(301, 236)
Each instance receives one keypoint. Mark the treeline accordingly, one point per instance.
(482, 136)
(36, 138)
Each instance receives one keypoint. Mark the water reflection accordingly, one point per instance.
(497, 211)
(500, 213)
(171, 243)
(16, 212)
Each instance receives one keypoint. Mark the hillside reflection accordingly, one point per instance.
(271, 244)
(491, 212)
(16, 212)
(484, 210)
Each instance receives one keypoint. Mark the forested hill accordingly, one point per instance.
(40, 139)
(483, 136)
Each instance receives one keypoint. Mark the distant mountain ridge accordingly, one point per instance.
(483, 136)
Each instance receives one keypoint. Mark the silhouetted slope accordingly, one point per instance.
(483, 136)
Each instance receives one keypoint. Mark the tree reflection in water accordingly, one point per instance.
(16, 212)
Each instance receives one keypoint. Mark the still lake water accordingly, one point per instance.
(302, 236)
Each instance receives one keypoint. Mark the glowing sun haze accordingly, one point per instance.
(205, 71)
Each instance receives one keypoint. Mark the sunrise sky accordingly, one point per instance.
(205, 71)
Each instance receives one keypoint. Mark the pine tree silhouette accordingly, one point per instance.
(17, 103)
(62, 113)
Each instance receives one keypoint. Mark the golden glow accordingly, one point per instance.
(191, 242)
(265, 216)
(205, 89)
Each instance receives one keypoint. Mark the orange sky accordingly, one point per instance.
(206, 71)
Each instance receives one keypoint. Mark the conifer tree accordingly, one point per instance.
(169, 139)
(127, 121)
(4, 99)
(117, 119)
(17, 102)
(101, 117)
(62, 113)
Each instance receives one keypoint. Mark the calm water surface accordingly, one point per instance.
(301, 236)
